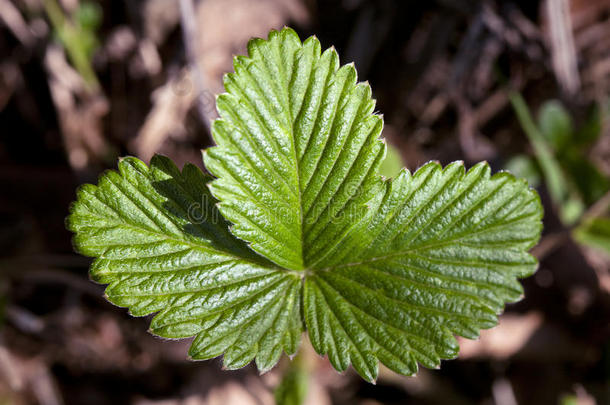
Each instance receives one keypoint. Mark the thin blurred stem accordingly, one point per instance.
(69, 36)
(563, 191)
(545, 156)
(292, 390)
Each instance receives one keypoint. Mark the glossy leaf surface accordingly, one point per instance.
(297, 230)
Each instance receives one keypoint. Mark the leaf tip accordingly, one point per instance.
(286, 30)
(263, 370)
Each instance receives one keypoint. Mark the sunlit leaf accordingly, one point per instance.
(299, 230)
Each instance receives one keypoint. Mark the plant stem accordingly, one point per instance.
(69, 35)
(292, 390)
(569, 203)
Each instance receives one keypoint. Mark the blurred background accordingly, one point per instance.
(523, 84)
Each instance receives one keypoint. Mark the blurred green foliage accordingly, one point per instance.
(562, 162)
(569, 400)
(292, 390)
(392, 163)
(77, 34)
(571, 148)
(594, 232)
(561, 157)
(526, 167)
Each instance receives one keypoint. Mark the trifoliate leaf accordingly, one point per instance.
(378, 270)
(161, 245)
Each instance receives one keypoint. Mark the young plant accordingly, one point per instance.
(562, 157)
(295, 231)
(579, 190)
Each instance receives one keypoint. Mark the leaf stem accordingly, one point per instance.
(294, 385)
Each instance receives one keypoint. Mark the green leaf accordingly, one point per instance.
(592, 184)
(88, 16)
(392, 163)
(298, 148)
(593, 126)
(524, 166)
(162, 247)
(310, 234)
(440, 256)
(555, 124)
(594, 232)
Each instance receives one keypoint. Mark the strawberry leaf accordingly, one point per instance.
(297, 229)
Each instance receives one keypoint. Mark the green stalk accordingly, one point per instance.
(70, 37)
(570, 205)
(292, 390)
